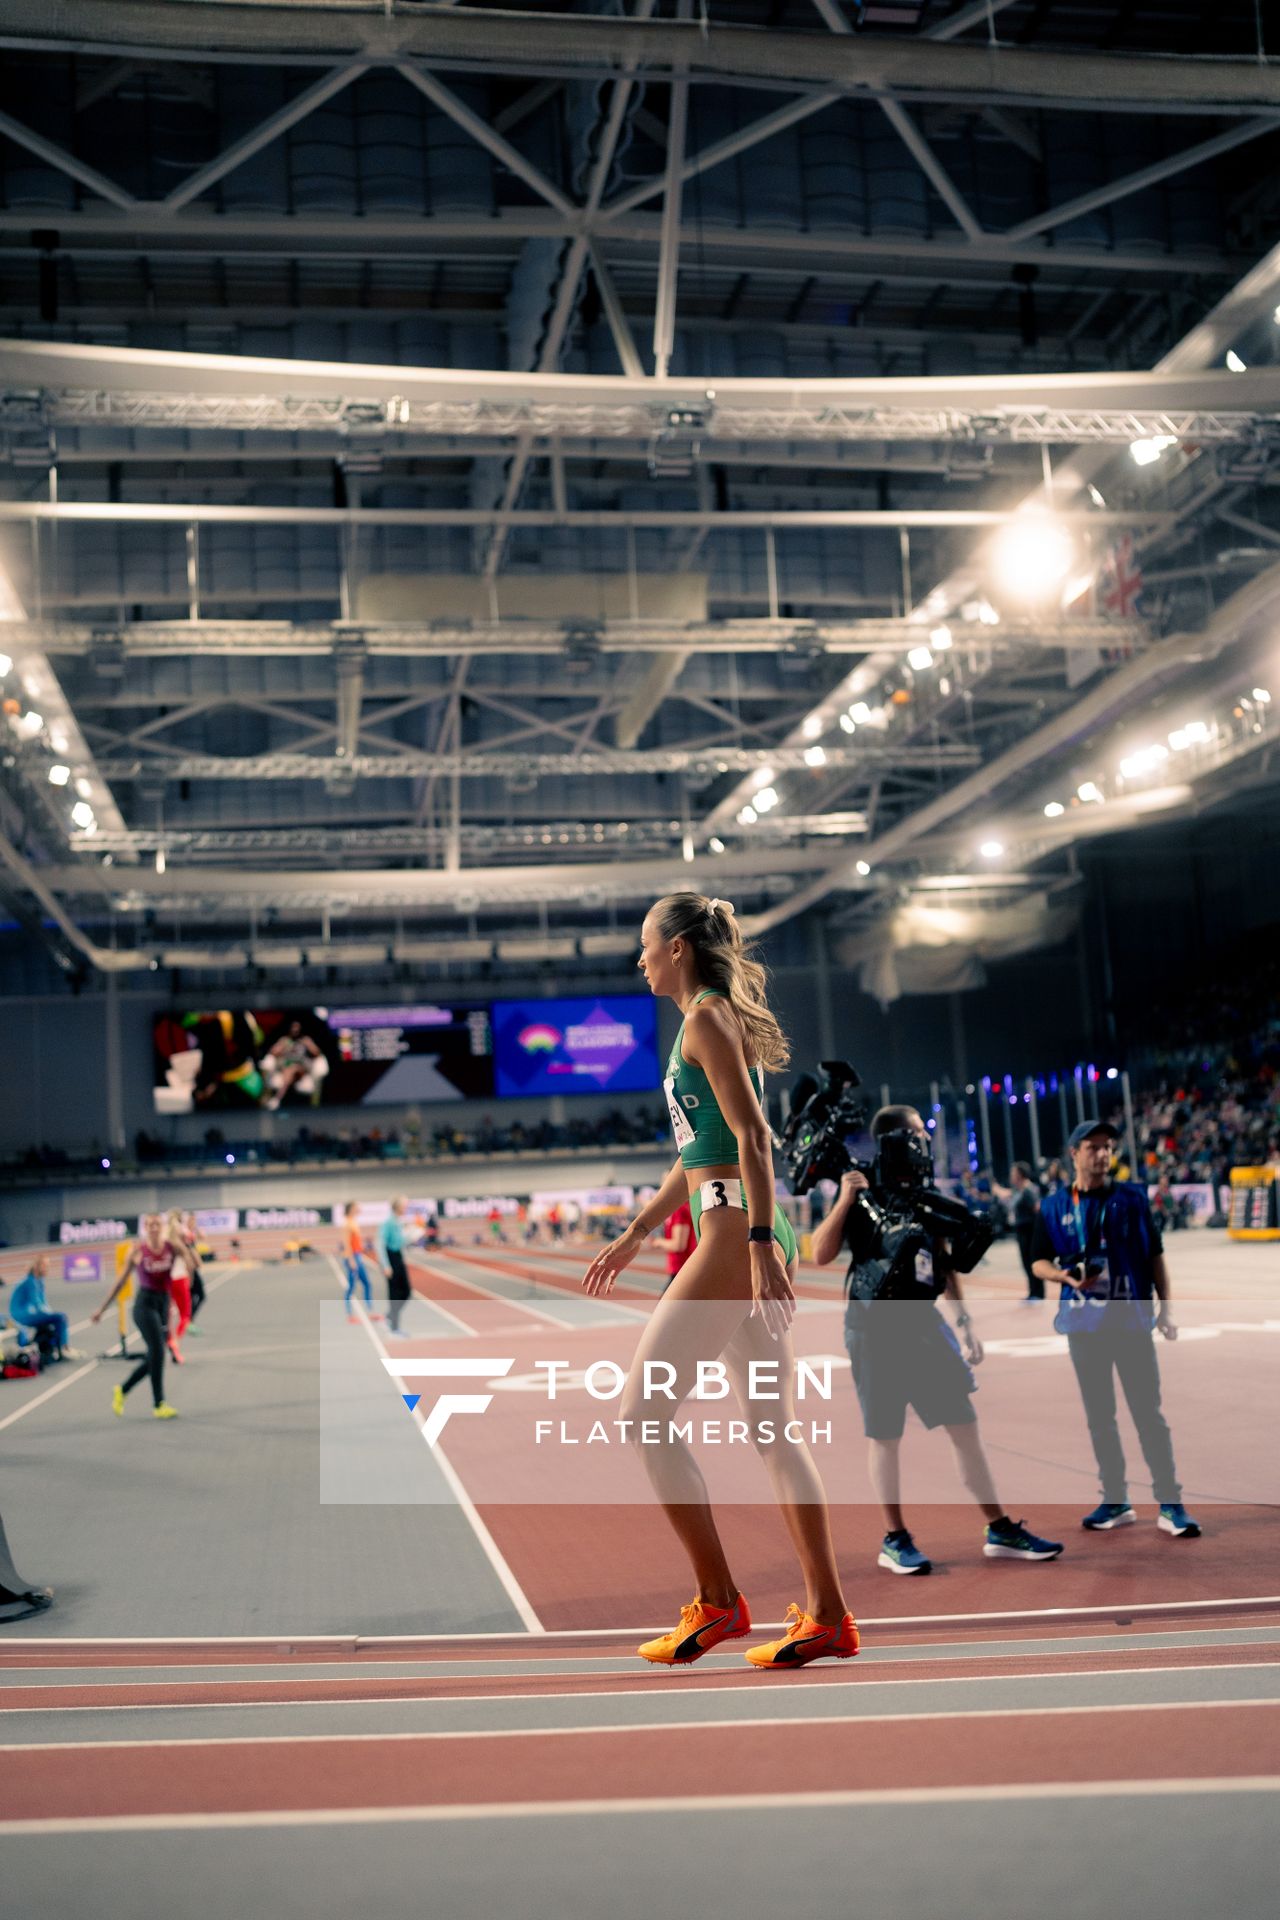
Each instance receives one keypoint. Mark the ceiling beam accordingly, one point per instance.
(241, 638)
(200, 234)
(594, 46)
(474, 763)
(201, 513)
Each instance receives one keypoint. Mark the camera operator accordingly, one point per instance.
(903, 1352)
(1100, 1242)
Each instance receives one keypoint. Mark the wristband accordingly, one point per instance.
(760, 1236)
(963, 1320)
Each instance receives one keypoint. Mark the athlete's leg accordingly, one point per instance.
(797, 1484)
(362, 1274)
(694, 1320)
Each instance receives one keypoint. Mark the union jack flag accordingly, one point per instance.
(1121, 580)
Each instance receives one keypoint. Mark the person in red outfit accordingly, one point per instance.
(677, 1241)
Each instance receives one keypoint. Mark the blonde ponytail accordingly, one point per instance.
(724, 961)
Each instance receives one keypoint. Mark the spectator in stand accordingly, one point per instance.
(677, 1241)
(30, 1310)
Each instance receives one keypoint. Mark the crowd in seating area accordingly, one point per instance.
(315, 1146)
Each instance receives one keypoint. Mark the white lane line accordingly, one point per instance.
(287, 1642)
(435, 1306)
(606, 1663)
(508, 1271)
(622, 1727)
(59, 1387)
(659, 1678)
(776, 1802)
(488, 1545)
(487, 1294)
(80, 1372)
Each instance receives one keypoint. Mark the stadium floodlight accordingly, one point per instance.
(82, 814)
(84, 787)
(766, 799)
(747, 817)
(763, 777)
(860, 712)
(1234, 363)
(716, 844)
(847, 723)
(59, 775)
(920, 659)
(812, 725)
(863, 868)
(1194, 734)
(940, 639)
(161, 862)
(31, 723)
(815, 756)
(1033, 555)
(992, 849)
(1089, 791)
(1145, 453)
(1054, 810)
(1262, 696)
(6, 664)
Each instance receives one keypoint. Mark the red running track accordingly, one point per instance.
(778, 1759)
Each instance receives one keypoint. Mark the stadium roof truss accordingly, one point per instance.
(619, 508)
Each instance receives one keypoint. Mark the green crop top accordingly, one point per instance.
(703, 1135)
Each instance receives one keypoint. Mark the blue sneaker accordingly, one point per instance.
(1010, 1540)
(900, 1554)
(1112, 1513)
(1175, 1519)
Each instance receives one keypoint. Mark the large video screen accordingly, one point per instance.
(212, 1061)
(596, 1045)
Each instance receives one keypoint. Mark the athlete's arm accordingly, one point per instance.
(619, 1253)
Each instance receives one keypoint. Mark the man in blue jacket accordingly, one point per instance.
(31, 1310)
(1099, 1241)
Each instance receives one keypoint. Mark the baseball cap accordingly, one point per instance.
(1088, 1128)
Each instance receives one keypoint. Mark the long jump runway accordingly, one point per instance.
(1070, 1740)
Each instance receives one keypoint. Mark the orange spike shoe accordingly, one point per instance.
(805, 1640)
(701, 1628)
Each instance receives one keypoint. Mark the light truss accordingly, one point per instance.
(635, 422)
(162, 639)
(475, 763)
(43, 382)
(516, 837)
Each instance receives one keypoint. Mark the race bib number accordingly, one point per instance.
(680, 1127)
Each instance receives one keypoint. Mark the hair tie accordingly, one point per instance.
(726, 904)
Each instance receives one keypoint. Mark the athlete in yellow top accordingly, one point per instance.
(733, 1298)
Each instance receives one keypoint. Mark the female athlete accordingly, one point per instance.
(152, 1260)
(734, 1297)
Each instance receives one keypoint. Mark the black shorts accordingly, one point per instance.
(904, 1354)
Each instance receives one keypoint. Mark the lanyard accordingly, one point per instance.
(1081, 1232)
